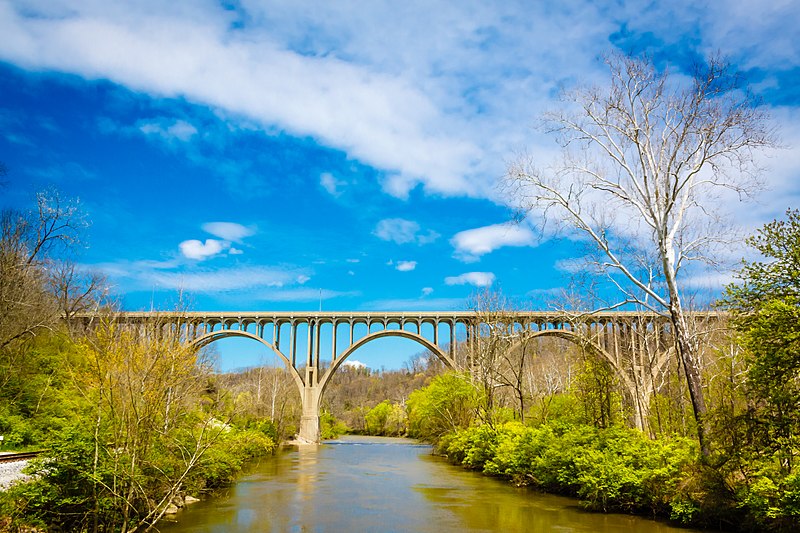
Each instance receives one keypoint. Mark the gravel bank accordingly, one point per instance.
(10, 472)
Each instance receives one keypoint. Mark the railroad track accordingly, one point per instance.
(17, 456)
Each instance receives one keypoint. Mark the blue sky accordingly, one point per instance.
(292, 155)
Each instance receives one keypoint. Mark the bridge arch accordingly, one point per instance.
(323, 383)
(640, 394)
(208, 338)
(579, 340)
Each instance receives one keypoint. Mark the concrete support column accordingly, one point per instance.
(309, 421)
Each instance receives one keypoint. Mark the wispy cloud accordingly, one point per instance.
(471, 244)
(301, 295)
(406, 266)
(478, 279)
(439, 99)
(222, 280)
(331, 184)
(173, 276)
(229, 231)
(168, 129)
(403, 231)
(416, 304)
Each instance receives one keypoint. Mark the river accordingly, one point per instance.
(384, 485)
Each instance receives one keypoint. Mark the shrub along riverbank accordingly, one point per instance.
(609, 469)
(614, 469)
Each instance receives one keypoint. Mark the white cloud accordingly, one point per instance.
(478, 279)
(229, 231)
(304, 294)
(427, 291)
(331, 184)
(353, 363)
(194, 249)
(376, 115)
(709, 280)
(403, 231)
(406, 266)
(144, 276)
(398, 230)
(438, 93)
(168, 129)
(471, 244)
(302, 279)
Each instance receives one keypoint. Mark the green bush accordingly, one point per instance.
(223, 461)
(329, 426)
(449, 403)
(614, 468)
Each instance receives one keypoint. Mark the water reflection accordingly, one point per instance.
(369, 484)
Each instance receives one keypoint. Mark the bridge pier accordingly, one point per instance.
(309, 420)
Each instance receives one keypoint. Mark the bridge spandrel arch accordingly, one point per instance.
(208, 338)
(425, 343)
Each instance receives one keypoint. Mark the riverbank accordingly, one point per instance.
(608, 470)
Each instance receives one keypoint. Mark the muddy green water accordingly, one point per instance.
(380, 484)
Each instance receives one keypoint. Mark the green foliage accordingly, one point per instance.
(762, 443)
(329, 426)
(387, 419)
(377, 417)
(70, 492)
(766, 308)
(471, 447)
(596, 388)
(777, 278)
(36, 393)
(449, 403)
(613, 468)
(564, 407)
(772, 336)
(224, 459)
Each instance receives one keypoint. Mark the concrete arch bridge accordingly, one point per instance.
(313, 345)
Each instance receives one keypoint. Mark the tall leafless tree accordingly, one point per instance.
(643, 165)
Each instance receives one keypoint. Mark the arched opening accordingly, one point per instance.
(601, 373)
(261, 386)
(381, 368)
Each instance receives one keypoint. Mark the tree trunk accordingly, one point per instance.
(687, 355)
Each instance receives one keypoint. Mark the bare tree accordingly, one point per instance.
(643, 165)
(76, 290)
(28, 243)
(499, 351)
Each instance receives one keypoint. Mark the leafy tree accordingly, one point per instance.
(449, 403)
(766, 307)
(386, 418)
